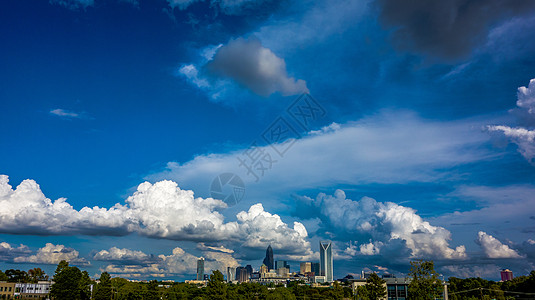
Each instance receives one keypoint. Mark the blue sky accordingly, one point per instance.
(421, 144)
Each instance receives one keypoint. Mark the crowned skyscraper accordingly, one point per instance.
(326, 261)
(268, 261)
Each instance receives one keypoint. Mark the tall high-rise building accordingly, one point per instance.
(315, 268)
(506, 275)
(249, 269)
(231, 274)
(268, 261)
(281, 264)
(305, 267)
(263, 269)
(200, 269)
(326, 260)
(241, 274)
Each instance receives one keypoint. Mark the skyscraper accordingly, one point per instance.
(231, 274)
(305, 267)
(315, 267)
(200, 269)
(268, 261)
(241, 274)
(326, 261)
(249, 269)
(281, 264)
(506, 275)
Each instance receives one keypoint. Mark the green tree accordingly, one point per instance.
(85, 286)
(3, 276)
(216, 288)
(16, 275)
(36, 274)
(376, 287)
(425, 283)
(61, 265)
(66, 282)
(128, 290)
(152, 292)
(362, 293)
(103, 289)
(280, 294)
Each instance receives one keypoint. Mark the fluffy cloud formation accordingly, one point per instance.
(52, 254)
(447, 29)
(523, 137)
(526, 97)
(501, 209)
(27, 210)
(256, 67)
(8, 252)
(494, 248)
(164, 210)
(123, 255)
(160, 210)
(381, 222)
(248, 63)
(179, 262)
(260, 226)
(371, 248)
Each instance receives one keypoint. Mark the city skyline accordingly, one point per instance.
(141, 135)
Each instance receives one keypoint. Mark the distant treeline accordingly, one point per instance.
(32, 276)
(522, 287)
(71, 284)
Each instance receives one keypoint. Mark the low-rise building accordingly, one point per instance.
(7, 290)
(39, 290)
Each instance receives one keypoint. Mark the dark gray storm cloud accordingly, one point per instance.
(447, 29)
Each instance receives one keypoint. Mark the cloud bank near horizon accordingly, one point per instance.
(160, 210)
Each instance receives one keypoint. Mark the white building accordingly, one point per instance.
(39, 290)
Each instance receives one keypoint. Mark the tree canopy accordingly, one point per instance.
(70, 283)
(425, 283)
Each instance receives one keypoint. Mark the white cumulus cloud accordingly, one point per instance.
(123, 255)
(53, 254)
(179, 262)
(526, 97)
(160, 210)
(260, 226)
(493, 248)
(8, 252)
(382, 222)
(522, 136)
